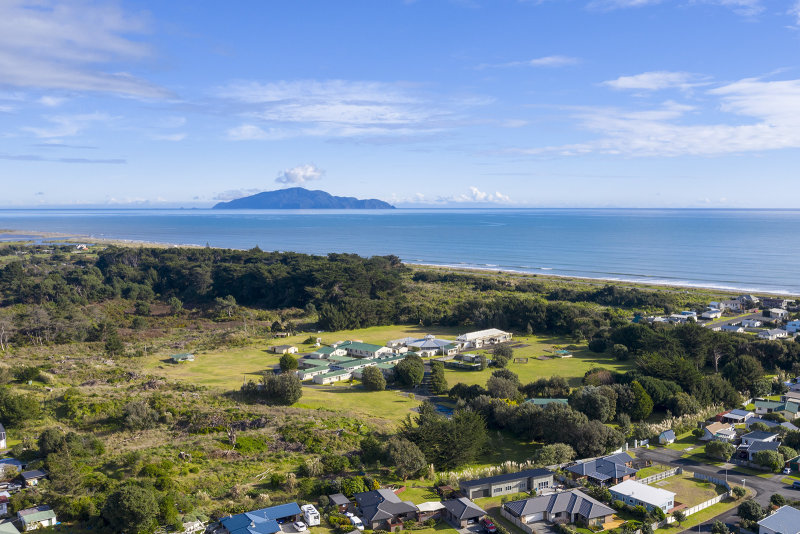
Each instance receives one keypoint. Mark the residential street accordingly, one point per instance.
(764, 487)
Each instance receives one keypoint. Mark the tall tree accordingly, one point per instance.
(643, 405)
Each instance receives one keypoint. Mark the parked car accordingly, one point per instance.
(357, 522)
(488, 525)
(299, 526)
(787, 471)
(796, 484)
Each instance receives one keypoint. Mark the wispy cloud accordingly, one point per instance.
(763, 116)
(231, 194)
(795, 12)
(67, 125)
(34, 157)
(74, 45)
(743, 7)
(300, 174)
(333, 108)
(545, 61)
(170, 137)
(656, 81)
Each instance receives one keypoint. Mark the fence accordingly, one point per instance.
(713, 480)
(703, 505)
(661, 476)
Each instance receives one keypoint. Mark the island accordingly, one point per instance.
(299, 198)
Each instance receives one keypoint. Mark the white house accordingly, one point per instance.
(689, 313)
(637, 494)
(357, 349)
(476, 340)
(719, 432)
(751, 323)
(712, 313)
(777, 313)
(732, 328)
(283, 349)
(666, 437)
(773, 334)
(785, 520)
(2, 436)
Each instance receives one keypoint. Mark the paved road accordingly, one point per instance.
(764, 487)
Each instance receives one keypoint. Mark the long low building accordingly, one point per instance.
(572, 506)
(476, 340)
(637, 494)
(506, 484)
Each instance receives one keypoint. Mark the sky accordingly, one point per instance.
(503, 103)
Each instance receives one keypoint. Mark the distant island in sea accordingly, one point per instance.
(299, 198)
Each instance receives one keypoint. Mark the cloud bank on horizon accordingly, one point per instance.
(644, 103)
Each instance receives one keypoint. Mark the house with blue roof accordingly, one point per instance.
(263, 521)
(666, 437)
(785, 520)
(611, 469)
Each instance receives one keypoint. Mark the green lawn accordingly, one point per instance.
(688, 490)
(702, 516)
(684, 441)
(652, 470)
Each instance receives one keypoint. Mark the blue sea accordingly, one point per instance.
(747, 250)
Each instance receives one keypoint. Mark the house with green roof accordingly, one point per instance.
(37, 517)
(333, 376)
(323, 353)
(7, 527)
(357, 349)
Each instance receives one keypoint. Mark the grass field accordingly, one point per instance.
(688, 490)
(227, 370)
(652, 470)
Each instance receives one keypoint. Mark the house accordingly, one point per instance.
(736, 328)
(332, 376)
(793, 326)
(748, 301)
(572, 506)
(429, 510)
(735, 417)
(776, 313)
(638, 494)
(719, 432)
(382, 509)
(733, 305)
(32, 478)
(263, 521)
(37, 517)
(774, 302)
(340, 501)
(462, 512)
(4, 499)
(2, 437)
(785, 520)
(711, 313)
(772, 334)
(283, 349)
(7, 527)
(430, 346)
(10, 467)
(770, 424)
(751, 323)
(758, 436)
(324, 353)
(791, 396)
(357, 349)
(689, 313)
(530, 479)
(183, 357)
(768, 406)
(611, 469)
(545, 402)
(666, 437)
(476, 340)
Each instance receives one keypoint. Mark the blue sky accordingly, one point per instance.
(619, 103)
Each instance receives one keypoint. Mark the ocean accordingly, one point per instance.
(746, 250)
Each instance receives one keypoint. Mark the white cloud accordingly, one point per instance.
(795, 12)
(334, 108)
(546, 61)
(67, 125)
(52, 101)
(476, 195)
(300, 174)
(231, 194)
(74, 45)
(655, 81)
(763, 116)
(742, 7)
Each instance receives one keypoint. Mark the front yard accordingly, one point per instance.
(689, 490)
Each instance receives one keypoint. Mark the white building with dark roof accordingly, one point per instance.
(635, 493)
(785, 520)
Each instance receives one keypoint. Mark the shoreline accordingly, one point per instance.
(653, 285)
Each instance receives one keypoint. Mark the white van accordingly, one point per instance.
(310, 514)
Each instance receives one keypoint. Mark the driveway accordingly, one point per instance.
(764, 487)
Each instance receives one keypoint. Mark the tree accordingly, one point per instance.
(438, 382)
(406, 457)
(750, 510)
(680, 516)
(777, 500)
(719, 528)
(372, 378)
(743, 372)
(284, 389)
(720, 450)
(288, 363)
(502, 388)
(787, 452)
(771, 459)
(620, 352)
(138, 415)
(739, 492)
(557, 453)
(51, 440)
(175, 305)
(114, 345)
(643, 404)
(410, 371)
(131, 509)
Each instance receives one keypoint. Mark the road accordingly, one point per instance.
(764, 487)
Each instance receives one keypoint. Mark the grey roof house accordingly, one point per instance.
(383, 510)
(340, 501)
(611, 469)
(462, 512)
(785, 520)
(568, 507)
(506, 484)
